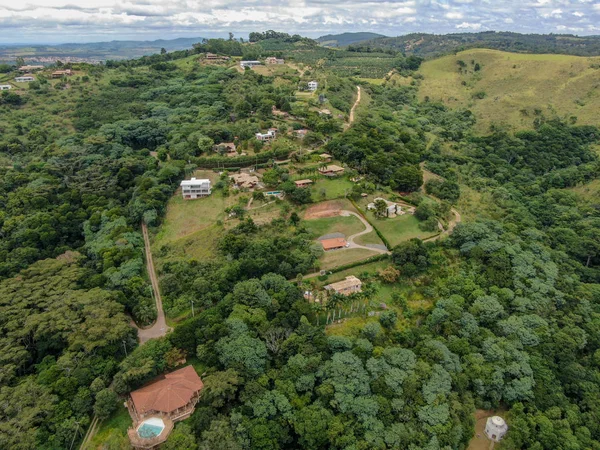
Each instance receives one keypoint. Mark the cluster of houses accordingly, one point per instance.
(253, 63)
(27, 77)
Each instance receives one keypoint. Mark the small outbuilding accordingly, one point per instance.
(495, 428)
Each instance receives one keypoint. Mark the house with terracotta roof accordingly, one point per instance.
(345, 287)
(244, 180)
(333, 244)
(61, 73)
(157, 405)
(325, 157)
(303, 183)
(331, 170)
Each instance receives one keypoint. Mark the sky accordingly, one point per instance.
(56, 21)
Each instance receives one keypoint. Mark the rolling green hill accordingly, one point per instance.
(344, 39)
(515, 88)
(432, 45)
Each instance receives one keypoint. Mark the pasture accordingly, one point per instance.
(516, 88)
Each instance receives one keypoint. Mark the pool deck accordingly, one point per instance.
(138, 442)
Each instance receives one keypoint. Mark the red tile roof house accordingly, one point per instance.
(167, 399)
(333, 244)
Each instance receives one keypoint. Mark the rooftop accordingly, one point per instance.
(332, 168)
(168, 392)
(194, 182)
(350, 281)
(329, 244)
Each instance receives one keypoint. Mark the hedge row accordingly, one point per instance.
(381, 236)
(240, 161)
(362, 262)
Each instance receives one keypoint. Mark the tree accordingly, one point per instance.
(106, 403)
(407, 178)
(380, 208)
(180, 438)
(388, 319)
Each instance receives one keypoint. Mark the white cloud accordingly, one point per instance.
(454, 15)
(72, 20)
(469, 26)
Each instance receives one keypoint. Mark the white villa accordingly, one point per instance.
(191, 189)
(313, 85)
(268, 136)
(249, 64)
(24, 79)
(5, 87)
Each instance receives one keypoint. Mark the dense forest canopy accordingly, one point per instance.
(508, 309)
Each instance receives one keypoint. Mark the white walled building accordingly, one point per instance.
(268, 136)
(250, 64)
(191, 189)
(24, 79)
(313, 85)
(5, 87)
(495, 428)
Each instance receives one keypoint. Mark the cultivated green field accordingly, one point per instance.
(517, 87)
(333, 188)
(348, 225)
(335, 258)
(399, 229)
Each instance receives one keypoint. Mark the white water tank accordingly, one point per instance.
(495, 428)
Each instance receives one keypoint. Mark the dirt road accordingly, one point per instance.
(160, 327)
(351, 117)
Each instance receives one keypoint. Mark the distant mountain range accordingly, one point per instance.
(432, 45)
(93, 51)
(344, 39)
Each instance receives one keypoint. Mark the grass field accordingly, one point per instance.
(337, 258)
(517, 87)
(333, 188)
(369, 268)
(339, 224)
(369, 238)
(399, 229)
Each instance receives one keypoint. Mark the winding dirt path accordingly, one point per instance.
(353, 109)
(368, 229)
(159, 328)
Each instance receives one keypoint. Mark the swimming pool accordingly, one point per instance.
(151, 428)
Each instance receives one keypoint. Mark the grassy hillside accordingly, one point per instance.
(432, 45)
(515, 88)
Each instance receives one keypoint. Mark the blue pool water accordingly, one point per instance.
(147, 430)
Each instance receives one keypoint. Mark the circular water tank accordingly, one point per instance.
(495, 428)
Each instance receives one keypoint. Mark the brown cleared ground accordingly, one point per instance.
(480, 440)
(327, 209)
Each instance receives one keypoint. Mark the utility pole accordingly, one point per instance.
(74, 436)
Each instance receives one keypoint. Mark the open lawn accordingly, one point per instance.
(368, 268)
(117, 423)
(348, 226)
(399, 229)
(369, 238)
(335, 258)
(332, 187)
(516, 87)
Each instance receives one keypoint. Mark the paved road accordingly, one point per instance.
(368, 229)
(159, 328)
